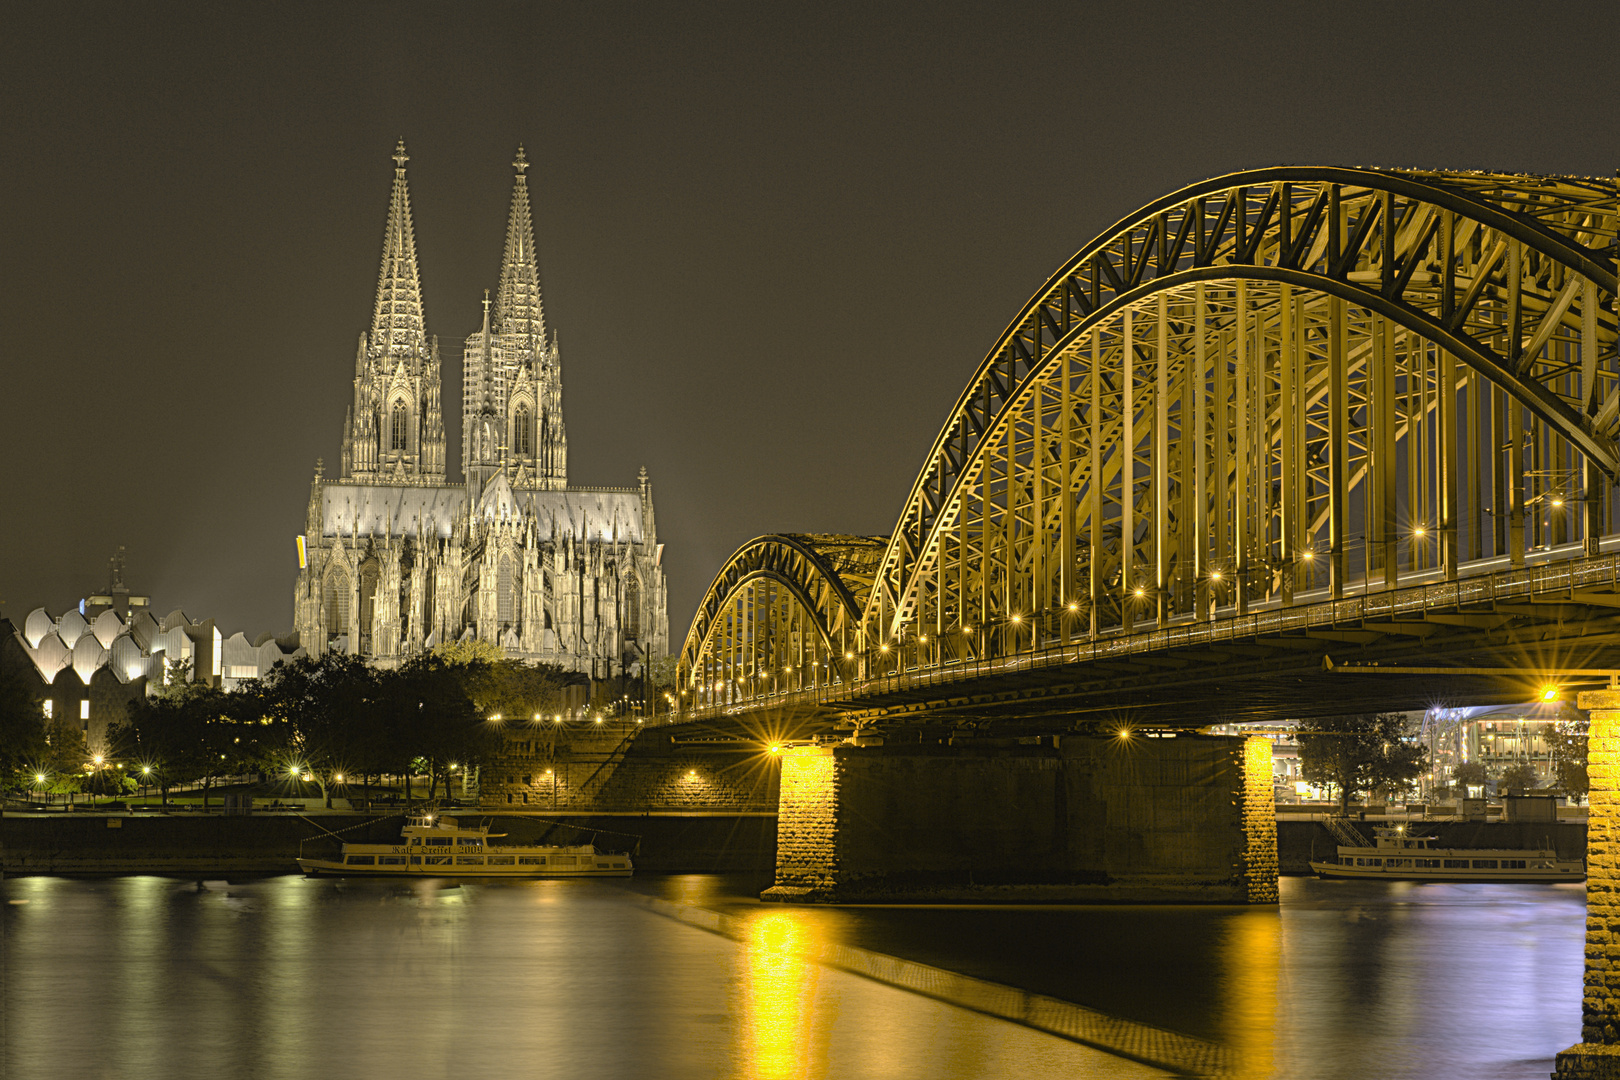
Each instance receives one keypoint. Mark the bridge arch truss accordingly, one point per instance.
(1269, 388)
(782, 615)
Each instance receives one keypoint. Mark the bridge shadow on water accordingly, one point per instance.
(1342, 979)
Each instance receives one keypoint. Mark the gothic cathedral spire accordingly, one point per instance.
(399, 324)
(512, 369)
(394, 431)
(518, 307)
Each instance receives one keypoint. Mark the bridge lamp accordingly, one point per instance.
(1214, 575)
(1418, 532)
(1307, 555)
(1140, 591)
(967, 629)
(1557, 501)
(923, 638)
(1017, 618)
(849, 656)
(1074, 606)
(775, 748)
(1549, 693)
(598, 720)
(883, 647)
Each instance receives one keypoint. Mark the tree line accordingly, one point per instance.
(1375, 752)
(334, 721)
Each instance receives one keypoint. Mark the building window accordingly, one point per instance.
(50, 709)
(504, 593)
(84, 709)
(399, 425)
(522, 438)
(632, 608)
(337, 603)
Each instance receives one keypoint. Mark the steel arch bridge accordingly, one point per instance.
(1266, 392)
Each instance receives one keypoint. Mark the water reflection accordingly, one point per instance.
(289, 977)
(778, 992)
(1252, 954)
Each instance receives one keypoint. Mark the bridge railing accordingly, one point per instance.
(1515, 583)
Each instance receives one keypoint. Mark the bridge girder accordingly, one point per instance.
(1282, 383)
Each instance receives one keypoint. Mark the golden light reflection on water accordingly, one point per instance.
(779, 989)
(1252, 957)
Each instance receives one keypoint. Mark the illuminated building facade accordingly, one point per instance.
(396, 558)
(111, 648)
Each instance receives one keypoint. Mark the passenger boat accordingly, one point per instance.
(439, 847)
(1397, 855)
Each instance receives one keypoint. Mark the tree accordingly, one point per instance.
(184, 735)
(1516, 780)
(430, 702)
(321, 709)
(1568, 744)
(22, 727)
(1359, 753)
(471, 651)
(1470, 774)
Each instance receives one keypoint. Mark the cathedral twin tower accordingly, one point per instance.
(395, 558)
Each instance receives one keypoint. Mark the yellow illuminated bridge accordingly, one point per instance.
(1263, 434)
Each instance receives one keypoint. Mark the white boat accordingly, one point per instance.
(1396, 855)
(433, 846)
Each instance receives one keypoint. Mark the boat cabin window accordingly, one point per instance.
(438, 841)
(1369, 862)
(1484, 864)
(390, 860)
(531, 860)
(1431, 864)
(1513, 864)
(473, 841)
(1456, 864)
(416, 841)
(1398, 862)
(362, 860)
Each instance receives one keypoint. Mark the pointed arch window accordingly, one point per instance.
(522, 432)
(505, 607)
(399, 426)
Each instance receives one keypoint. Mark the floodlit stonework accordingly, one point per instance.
(395, 558)
(1597, 1055)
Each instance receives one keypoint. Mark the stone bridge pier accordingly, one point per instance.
(1170, 819)
(1597, 1055)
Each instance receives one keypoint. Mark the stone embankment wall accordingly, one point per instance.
(215, 846)
(1142, 820)
(642, 769)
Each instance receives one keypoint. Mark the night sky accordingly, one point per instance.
(776, 240)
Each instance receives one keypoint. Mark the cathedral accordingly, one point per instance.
(396, 557)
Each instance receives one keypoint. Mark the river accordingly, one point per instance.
(292, 977)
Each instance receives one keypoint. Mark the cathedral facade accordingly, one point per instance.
(396, 557)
